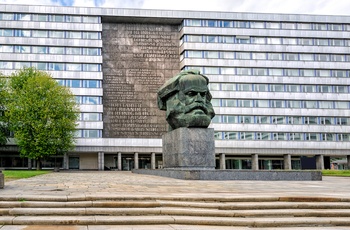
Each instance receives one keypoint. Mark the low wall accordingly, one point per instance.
(262, 175)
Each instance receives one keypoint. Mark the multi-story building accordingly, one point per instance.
(280, 83)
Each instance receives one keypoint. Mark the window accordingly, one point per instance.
(293, 104)
(290, 41)
(246, 119)
(320, 26)
(57, 34)
(274, 56)
(242, 40)
(73, 50)
(23, 17)
(90, 35)
(73, 83)
(257, 25)
(242, 55)
(304, 26)
(73, 67)
(296, 136)
(91, 84)
(335, 27)
(210, 70)
(337, 57)
(211, 39)
(279, 136)
(293, 88)
(229, 103)
(231, 136)
(326, 104)
(338, 73)
(247, 136)
(22, 49)
(336, 42)
(6, 32)
(277, 88)
(258, 40)
(343, 121)
(6, 16)
(263, 136)
(277, 104)
(56, 50)
(321, 42)
(262, 103)
(245, 103)
(71, 18)
(228, 55)
(91, 67)
(288, 25)
(40, 17)
(272, 25)
(341, 89)
(306, 57)
(218, 135)
(40, 49)
(214, 86)
(275, 72)
(341, 105)
(291, 57)
(305, 41)
(328, 137)
(263, 119)
(307, 72)
(226, 24)
(40, 65)
(274, 41)
(261, 87)
(92, 133)
(241, 24)
(57, 18)
(227, 39)
(6, 49)
(244, 87)
(211, 54)
(259, 72)
(327, 120)
(343, 137)
(216, 119)
(91, 116)
(231, 87)
(322, 57)
(295, 120)
(311, 120)
(323, 73)
(309, 104)
(22, 33)
(56, 66)
(243, 71)
(91, 100)
(261, 56)
(312, 137)
(325, 89)
(194, 54)
(5, 65)
(76, 35)
(20, 65)
(90, 19)
(229, 119)
(39, 33)
(292, 72)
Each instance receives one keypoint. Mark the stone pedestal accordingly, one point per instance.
(189, 148)
(2, 180)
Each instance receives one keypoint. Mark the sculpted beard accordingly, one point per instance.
(179, 115)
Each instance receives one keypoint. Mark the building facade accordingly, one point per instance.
(280, 83)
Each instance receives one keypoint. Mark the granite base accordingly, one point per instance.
(2, 180)
(262, 175)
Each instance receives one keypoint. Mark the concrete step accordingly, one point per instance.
(175, 211)
(184, 220)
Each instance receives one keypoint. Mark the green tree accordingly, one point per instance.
(42, 114)
(3, 119)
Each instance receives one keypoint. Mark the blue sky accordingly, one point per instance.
(322, 7)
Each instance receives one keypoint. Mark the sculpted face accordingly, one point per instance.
(190, 106)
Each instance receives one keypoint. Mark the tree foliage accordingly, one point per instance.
(3, 119)
(42, 114)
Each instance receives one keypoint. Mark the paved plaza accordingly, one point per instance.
(126, 184)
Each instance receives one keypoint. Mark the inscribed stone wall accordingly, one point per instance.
(137, 60)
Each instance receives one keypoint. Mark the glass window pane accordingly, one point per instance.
(262, 103)
(261, 56)
(73, 67)
(306, 57)
(242, 55)
(40, 49)
(71, 18)
(56, 50)
(257, 25)
(40, 17)
(72, 34)
(73, 50)
(57, 18)
(57, 34)
(261, 87)
(22, 49)
(272, 25)
(90, 19)
(39, 33)
(6, 49)
(275, 56)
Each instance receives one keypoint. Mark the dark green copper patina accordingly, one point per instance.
(186, 99)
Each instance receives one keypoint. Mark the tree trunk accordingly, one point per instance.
(38, 164)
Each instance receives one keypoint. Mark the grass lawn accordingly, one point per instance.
(345, 173)
(19, 174)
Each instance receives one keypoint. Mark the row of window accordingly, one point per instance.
(272, 71)
(49, 18)
(50, 50)
(281, 104)
(267, 136)
(265, 56)
(88, 133)
(49, 34)
(52, 66)
(289, 120)
(90, 116)
(265, 40)
(267, 25)
(279, 88)
(88, 100)
(80, 83)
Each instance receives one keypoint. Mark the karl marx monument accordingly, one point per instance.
(189, 143)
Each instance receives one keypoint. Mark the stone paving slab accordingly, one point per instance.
(81, 185)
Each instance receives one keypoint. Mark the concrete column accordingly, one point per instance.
(136, 160)
(319, 162)
(30, 164)
(120, 161)
(101, 161)
(65, 161)
(222, 161)
(255, 162)
(153, 160)
(287, 160)
(348, 163)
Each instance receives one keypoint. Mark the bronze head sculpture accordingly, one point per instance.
(186, 99)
